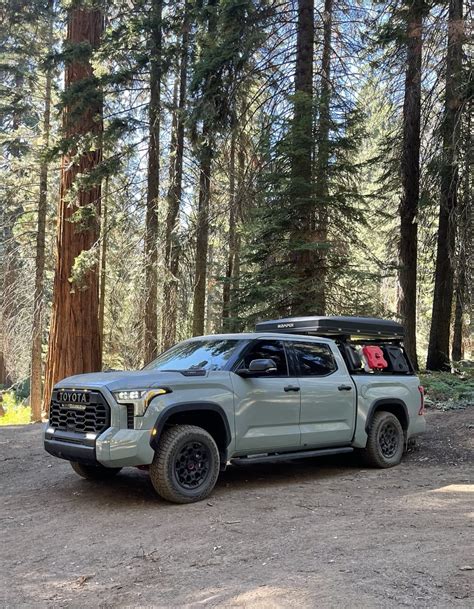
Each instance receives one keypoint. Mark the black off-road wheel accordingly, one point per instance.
(94, 472)
(186, 464)
(385, 442)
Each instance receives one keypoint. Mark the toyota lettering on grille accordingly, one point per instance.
(73, 397)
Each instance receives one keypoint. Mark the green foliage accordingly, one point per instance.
(240, 82)
(228, 35)
(273, 227)
(85, 263)
(445, 386)
(16, 412)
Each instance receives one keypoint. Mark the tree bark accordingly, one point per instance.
(302, 192)
(438, 348)
(232, 239)
(410, 174)
(240, 208)
(202, 232)
(322, 166)
(37, 329)
(202, 229)
(103, 260)
(172, 246)
(464, 253)
(457, 348)
(153, 186)
(74, 341)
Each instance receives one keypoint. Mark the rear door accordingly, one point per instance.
(328, 395)
(267, 408)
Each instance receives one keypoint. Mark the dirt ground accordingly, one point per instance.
(309, 534)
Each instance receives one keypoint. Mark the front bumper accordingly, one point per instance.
(112, 448)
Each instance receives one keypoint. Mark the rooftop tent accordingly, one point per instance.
(356, 327)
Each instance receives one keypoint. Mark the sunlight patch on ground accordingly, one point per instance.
(455, 488)
(262, 597)
(259, 597)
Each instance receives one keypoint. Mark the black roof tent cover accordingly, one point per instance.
(363, 327)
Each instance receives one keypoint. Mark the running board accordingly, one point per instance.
(301, 454)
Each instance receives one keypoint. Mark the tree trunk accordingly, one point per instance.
(74, 341)
(4, 379)
(464, 254)
(240, 203)
(202, 232)
(172, 246)
(103, 260)
(438, 348)
(301, 191)
(322, 166)
(37, 329)
(153, 189)
(232, 239)
(11, 209)
(202, 229)
(410, 173)
(457, 348)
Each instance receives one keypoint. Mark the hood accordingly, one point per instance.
(122, 380)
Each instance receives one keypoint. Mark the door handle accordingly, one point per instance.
(345, 387)
(291, 388)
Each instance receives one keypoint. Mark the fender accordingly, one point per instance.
(385, 402)
(172, 409)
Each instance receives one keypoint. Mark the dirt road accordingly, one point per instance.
(313, 534)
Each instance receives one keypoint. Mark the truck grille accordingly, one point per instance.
(79, 411)
(130, 416)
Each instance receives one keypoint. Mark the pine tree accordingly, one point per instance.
(438, 348)
(172, 246)
(464, 254)
(37, 329)
(205, 154)
(410, 176)
(74, 340)
(153, 187)
(229, 34)
(309, 289)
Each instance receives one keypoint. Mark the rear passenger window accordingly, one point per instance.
(314, 359)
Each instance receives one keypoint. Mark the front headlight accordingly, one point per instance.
(140, 398)
(129, 395)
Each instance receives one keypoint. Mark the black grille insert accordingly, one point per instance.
(130, 416)
(79, 411)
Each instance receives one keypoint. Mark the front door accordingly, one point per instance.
(267, 408)
(328, 398)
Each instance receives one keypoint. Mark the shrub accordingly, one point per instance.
(16, 412)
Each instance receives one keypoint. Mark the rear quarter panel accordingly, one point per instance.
(371, 388)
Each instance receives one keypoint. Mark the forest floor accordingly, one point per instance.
(310, 534)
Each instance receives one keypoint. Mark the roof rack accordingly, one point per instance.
(357, 327)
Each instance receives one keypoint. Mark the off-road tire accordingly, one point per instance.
(167, 467)
(385, 441)
(94, 472)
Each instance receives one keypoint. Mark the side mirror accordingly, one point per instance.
(258, 367)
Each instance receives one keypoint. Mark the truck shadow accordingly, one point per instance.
(288, 472)
(132, 486)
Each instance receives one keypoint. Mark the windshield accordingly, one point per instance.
(204, 354)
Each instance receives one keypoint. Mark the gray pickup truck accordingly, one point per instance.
(299, 387)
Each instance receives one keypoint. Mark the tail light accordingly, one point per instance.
(421, 389)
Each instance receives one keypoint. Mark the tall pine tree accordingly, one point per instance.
(74, 339)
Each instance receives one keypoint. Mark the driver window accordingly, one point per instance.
(269, 349)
